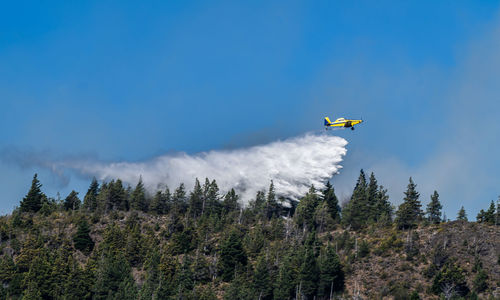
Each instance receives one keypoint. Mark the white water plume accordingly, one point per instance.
(293, 164)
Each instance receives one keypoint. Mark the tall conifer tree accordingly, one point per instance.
(138, 200)
(331, 274)
(409, 212)
(357, 210)
(72, 202)
(196, 200)
(33, 201)
(371, 199)
(434, 209)
(331, 200)
(462, 215)
(90, 199)
(309, 274)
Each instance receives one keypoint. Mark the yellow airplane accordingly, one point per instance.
(341, 123)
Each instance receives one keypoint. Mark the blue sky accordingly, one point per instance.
(117, 80)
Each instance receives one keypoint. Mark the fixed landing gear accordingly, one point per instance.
(352, 128)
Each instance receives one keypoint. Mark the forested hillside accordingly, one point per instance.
(120, 242)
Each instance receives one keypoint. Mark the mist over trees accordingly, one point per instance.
(122, 242)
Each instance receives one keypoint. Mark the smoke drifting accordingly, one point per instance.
(293, 165)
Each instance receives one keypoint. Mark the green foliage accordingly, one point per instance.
(332, 202)
(488, 216)
(369, 204)
(184, 280)
(480, 283)
(196, 201)
(230, 202)
(322, 217)
(390, 243)
(261, 279)
(383, 208)
(82, 240)
(355, 214)
(33, 201)
(72, 202)
(138, 198)
(462, 215)
(364, 249)
(304, 215)
(135, 246)
(450, 280)
(239, 289)
(48, 207)
(113, 278)
(286, 281)
(231, 255)
(272, 207)
(308, 274)
(90, 199)
(331, 279)
(201, 245)
(179, 201)
(434, 209)
(414, 296)
(409, 212)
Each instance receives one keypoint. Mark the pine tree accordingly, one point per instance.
(304, 214)
(308, 275)
(196, 200)
(480, 283)
(450, 278)
(409, 212)
(262, 284)
(82, 239)
(138, 199)
(113, 277)
(33, 201)
(230, 202)
(258, 206)
(179, 202)
(285, 283)
(151, 266)
(462, 215)
(185, 278)
(371, 198)
(90, 199)
(232, 255)
(332, 201)
(357, 210)
(116, 196)
(489, 215)
(434, 209)
(159, 203)
(213, 204)
(272, 207)
(135, 248)
(201, 269)
(72, 202)
(383, 208)
(331, 274)
(322, 217)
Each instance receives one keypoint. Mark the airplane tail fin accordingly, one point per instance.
(327, 121)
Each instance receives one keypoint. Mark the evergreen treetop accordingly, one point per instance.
(33, 201)
(434, 209)
(409, 212)
(462, 215)
(90, 199)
